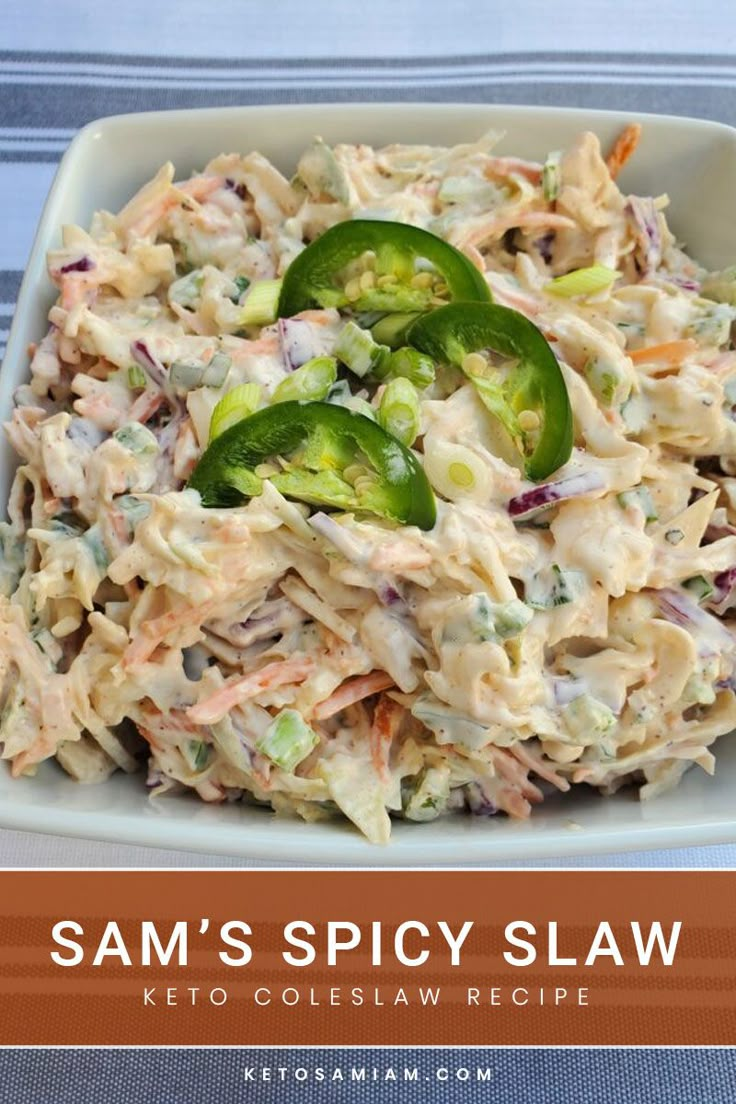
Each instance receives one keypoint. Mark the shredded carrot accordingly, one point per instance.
(152, 632)
(506, 166)
(386, 723)
(145, 406)
(241, 687)
(352, 691)
(536, 763)
(622, 149)
(670, 352)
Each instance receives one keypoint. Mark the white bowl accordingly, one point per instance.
(693, 161)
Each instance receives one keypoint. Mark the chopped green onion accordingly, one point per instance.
(136, 438)
(340, 393)
(674, 536)
(640, 497)
(136, 378)
(288, 740)
(399, 411)
(261, 304)
(186, 376)
(410, 364)
(699, 586)
(239, 403)
(357, 350)
(583, 281)
(198, 754)
(391, 329)
(551, 176)
(311, 382)
(216, 371)
(553, 587)
(460, 474)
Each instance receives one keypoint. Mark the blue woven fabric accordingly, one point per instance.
(506, 1076)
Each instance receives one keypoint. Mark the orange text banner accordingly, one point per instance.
(375, 957)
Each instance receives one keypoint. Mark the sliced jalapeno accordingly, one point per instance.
(530, 398)
(321, 275)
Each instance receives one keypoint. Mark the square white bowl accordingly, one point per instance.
(692, 160)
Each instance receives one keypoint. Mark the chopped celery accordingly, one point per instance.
(261, 304)
(216, 371)
(510, 618)
(587, 719)
(186, 291)
(640, 497)
(136, 438)
(699, 587)
(484, 620)
(391, 329)
(136, 378)
(553, 587)
(448, 726)
(410, 364)
(399, 412)
(186, 376)
(233, 407)
(429, 794)
(311, 382)
(583, 281)
(288, 740)
(357, 350)
(607, 381)
(319, 171)
(551, 176)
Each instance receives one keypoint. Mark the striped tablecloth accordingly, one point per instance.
(66, 62)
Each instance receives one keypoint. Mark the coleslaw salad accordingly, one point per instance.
(557, 634)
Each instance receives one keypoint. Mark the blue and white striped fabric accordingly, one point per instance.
(65, 62)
